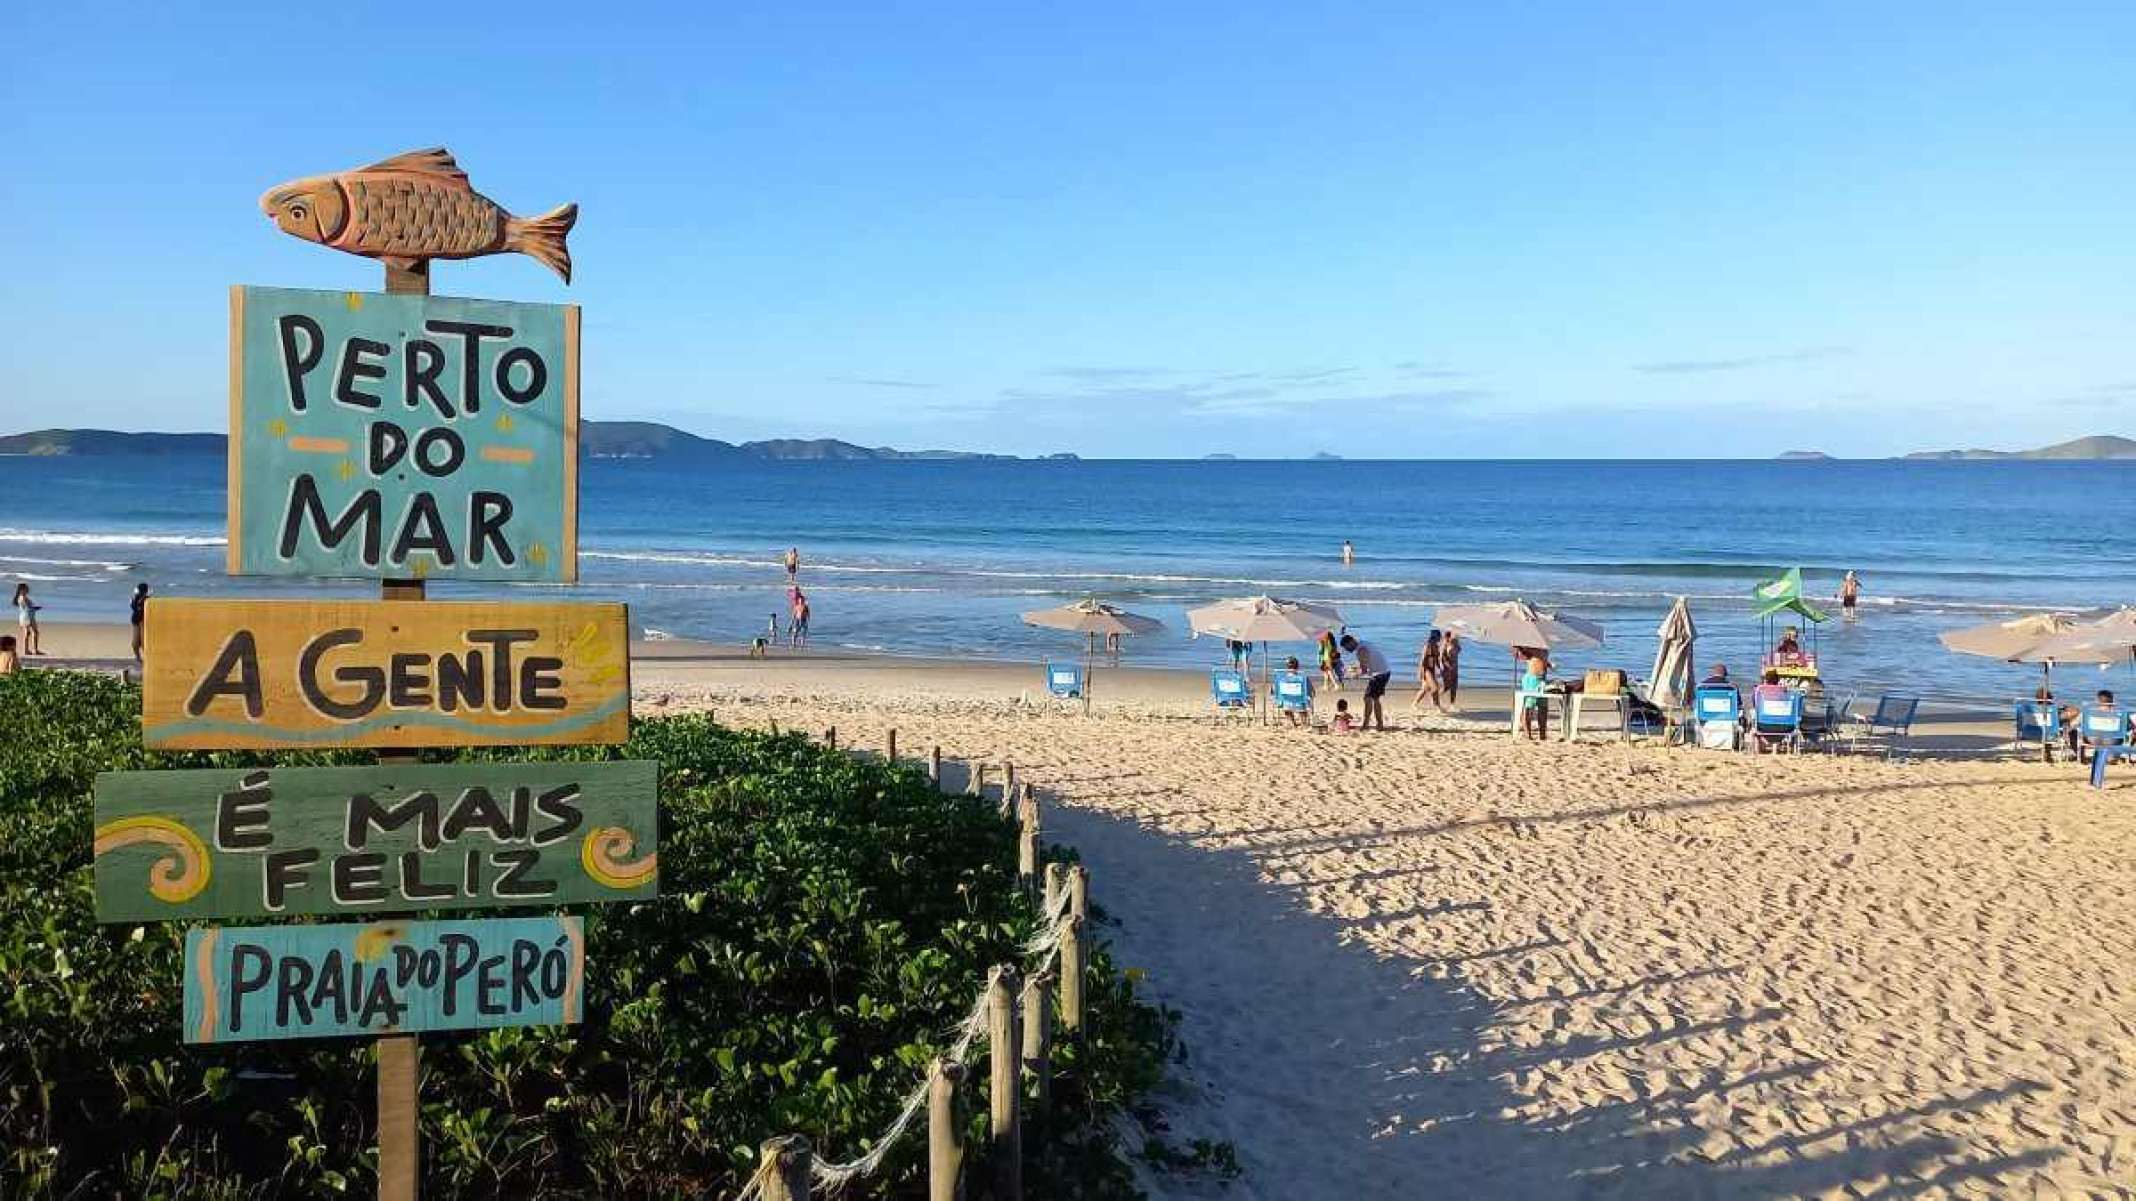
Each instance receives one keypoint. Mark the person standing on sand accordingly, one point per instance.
(1330, 662)
(1373, 666)
(1450, 670)
(140, 615)
(797, 633)
(26, 620)
(1428, 673)
(1850, 593)
(1349, 553)
(793, 565)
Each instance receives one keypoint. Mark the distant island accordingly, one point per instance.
(2095, 447)
(597, 440)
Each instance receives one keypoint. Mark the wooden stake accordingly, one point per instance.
(945, 1133)
(934, 768)
(1005, 1083)
(1079, 892)
(890, 747)
(784, 1165)
(830, 738)
(1056, 887)
(1008, 781)
(1072, 976)
(978, 787)
(1027, 845)
(1038, 1036)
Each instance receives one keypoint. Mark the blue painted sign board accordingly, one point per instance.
(271, 982)
(378, 436)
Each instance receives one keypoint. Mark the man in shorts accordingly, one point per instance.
(1373, 666)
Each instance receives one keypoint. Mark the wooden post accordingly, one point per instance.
(934, 768)
(890, 747)
(945, 1133)
(1079, 892)
(1038, 1037)
(978, 787)
(400, 1056)
(1072, 976)
(1008, 782)
(784, 1165)
(774, 727)
(1027, 843)
(1056, 887)
(830, 738)
(1005, 1083)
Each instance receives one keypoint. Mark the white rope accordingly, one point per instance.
(831, 1178)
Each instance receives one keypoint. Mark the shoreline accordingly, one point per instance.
(671, 671)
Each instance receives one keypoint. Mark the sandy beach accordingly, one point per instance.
(1443, 959)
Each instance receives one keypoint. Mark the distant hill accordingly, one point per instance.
(2098, 446)
(108, 442)
(597, 440)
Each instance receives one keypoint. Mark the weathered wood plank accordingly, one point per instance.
(402, 435)
(395, 977)
(274, 674)
(261, 842)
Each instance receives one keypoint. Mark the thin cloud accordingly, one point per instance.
(1418, 369)
(1099, 374)
(865, 382)
(1434, 400)
(1808, 354)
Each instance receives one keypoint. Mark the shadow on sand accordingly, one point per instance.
(1342, 1073)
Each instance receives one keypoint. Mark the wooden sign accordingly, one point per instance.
(265, 842)
(245, 985)
(402, 436)
(277, 674)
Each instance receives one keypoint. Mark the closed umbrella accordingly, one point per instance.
(1265, 619)
(1669, 686)
(1092, 617)
(2019, 640)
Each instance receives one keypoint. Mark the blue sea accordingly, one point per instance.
(939, 558)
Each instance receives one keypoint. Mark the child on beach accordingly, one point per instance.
(1343, 723)
(26, 620)
(1534, 706)
(1429, 677)
(1330, 662)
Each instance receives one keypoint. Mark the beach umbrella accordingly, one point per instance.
(2018, 640)
(1092, 617)
(2110, 639)
(1669, 685)
(1518, 623)
(1265, 619)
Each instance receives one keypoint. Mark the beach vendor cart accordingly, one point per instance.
(1788, 631)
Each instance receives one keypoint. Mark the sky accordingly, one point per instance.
(1535, 230)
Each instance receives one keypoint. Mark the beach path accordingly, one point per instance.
(1455, 965)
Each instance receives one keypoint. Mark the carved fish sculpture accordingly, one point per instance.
(414, 207)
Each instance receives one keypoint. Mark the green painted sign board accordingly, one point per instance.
(257, 842)
(369, 978)
(381, 436)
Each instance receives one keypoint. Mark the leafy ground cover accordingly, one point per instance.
(825, 920)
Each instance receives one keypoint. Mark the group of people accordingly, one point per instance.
(797, 608)
(28, 638)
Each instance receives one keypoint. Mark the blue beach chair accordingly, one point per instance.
(1230, 691)
(1292, 691)
(1776, 720)
(1716, 708)
(2097, 727)
(2041, 722)
(1889, 727)
(1065, 680)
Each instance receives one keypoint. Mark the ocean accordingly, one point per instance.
(939, 558)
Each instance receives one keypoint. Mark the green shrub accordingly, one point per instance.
(824, 921)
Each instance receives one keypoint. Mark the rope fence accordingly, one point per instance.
(1014, 1013)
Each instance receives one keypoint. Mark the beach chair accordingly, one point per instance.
(1065, 681)
(1603, 688)
(1230, 690)
(2041, 722)
(1776, 720)
(2097, 727)
(1888, 727)
(1292, 692)
(1717, 713)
